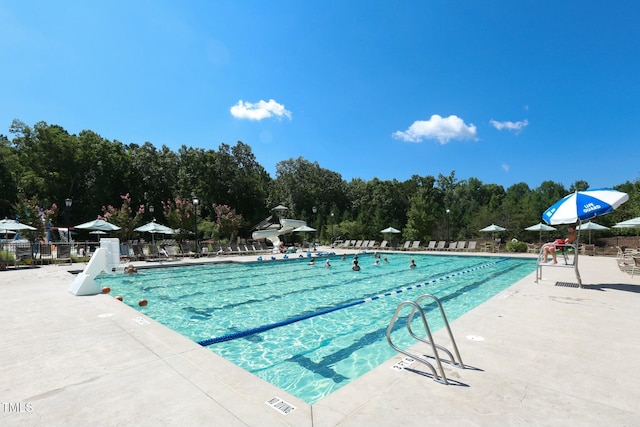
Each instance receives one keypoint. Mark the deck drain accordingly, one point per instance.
(567, 284)
(280, 405)
(404, 363)
(140, 320)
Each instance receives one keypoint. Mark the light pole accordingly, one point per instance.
(195, 201)
(332, 235)
(153, 235)
(448, 212)
(314, 210)
(68, 202)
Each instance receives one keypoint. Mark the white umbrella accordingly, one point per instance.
(153, 228)
(98, 224)
(493, 228)
(304, 229)
(633, 222)
(591, 226)
(630, 223)
(13, 225)
(390, 230)
(584, 205)
(540, 227)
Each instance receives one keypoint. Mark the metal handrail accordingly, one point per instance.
(418, 358)
(446, 324)
(429, 341)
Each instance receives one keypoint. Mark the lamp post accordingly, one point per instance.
(68, 202)
(448, 212)
(332, 235)
(314, 210)
(195, 201)
(153, 219)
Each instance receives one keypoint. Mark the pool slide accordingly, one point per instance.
(273, 235)
(105, 259)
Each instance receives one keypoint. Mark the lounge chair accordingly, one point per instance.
(45, 252)
(452, 246)
(587, 249)
(138, 253)
(461, 245)
(406, 245)
(441, 245)
(63, 252)
(532, 248)
(472, 246)
(415, 244)
(384, 244)
(24, 254)
(171, 251)
(431, 246)
(636, 265)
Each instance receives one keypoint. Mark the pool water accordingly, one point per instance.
(307, 329)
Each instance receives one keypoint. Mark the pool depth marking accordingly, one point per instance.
(264, 328)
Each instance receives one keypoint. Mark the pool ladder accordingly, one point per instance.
(429, 340)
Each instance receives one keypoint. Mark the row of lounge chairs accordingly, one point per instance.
(410, 245)
(173, 250)
(363, 244)
(28, 253)
(442, 245)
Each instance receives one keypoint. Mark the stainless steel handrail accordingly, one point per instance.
(429, 340)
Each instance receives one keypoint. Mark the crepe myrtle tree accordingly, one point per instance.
(179, 215)
(124, 217)
(228, 222)
(29, 212)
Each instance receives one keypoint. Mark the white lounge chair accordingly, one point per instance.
(432, 245)
(441, 245)
(415, 244)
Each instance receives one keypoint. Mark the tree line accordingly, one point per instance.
(43, 165)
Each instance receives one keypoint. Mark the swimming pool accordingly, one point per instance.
(307, 329)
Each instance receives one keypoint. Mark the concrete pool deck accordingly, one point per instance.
(535, 354)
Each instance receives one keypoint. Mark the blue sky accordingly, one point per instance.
(503, 91)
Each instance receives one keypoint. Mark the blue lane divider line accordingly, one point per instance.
(245, 333)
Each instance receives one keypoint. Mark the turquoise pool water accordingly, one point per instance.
(307, 329)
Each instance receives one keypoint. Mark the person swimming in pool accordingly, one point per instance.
(355, 266)
(412, 264)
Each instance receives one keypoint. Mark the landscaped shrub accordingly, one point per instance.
(516, 246)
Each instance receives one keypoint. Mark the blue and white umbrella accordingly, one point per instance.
(584, 205)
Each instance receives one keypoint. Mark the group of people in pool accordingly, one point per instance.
(356, 263)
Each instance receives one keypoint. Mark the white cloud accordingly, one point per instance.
(516, 127)
(437, 127)
(506, 167)
(259, 110)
